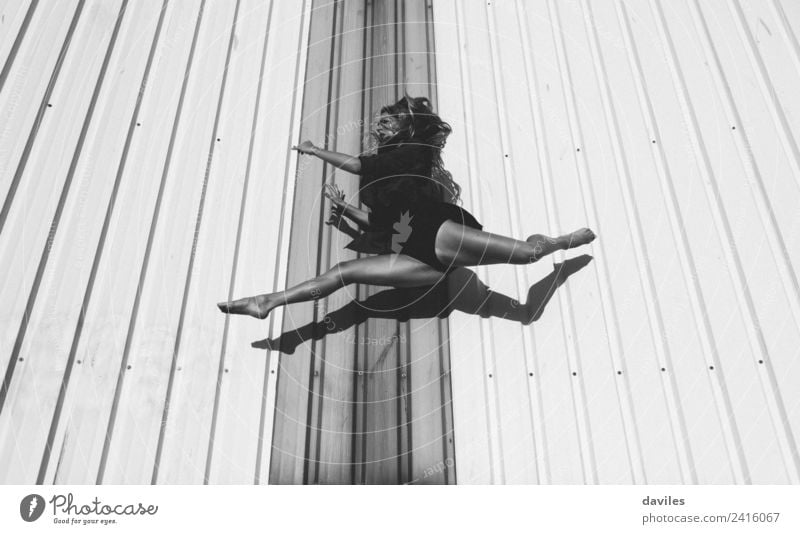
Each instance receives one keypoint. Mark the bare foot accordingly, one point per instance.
(584, 236)
(258, 306)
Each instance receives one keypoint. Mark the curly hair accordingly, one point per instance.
(420, 125)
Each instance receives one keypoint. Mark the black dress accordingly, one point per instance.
(406, 206)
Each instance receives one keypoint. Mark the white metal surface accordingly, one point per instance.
(144, 173)
(669, 128)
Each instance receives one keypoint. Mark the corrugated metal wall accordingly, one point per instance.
(362, 397)
(145, 175)
(671, 129)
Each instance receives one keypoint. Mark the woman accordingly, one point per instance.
(414, 226)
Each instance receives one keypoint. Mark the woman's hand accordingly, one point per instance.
(337, 216)
(340, 208)
(335, 195)
(306, 147)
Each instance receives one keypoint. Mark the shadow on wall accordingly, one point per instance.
(462, 290)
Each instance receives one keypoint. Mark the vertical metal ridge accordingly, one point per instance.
(403, 408)
(520, 274)
(406, 377)
(237, 245)
(685, 256)
(59, 208)
(316, 388)
(190, 268)
(787, 32)
(405, 385)
(362, 367)
(280, 278)
(741, 289)
(357, 439)
(403, 421)
(646, 278)
(767, 90)
(399, 36)
(774, 235)
(616, 350)
(263, 422)
(445, 376)
(431, 50)
(407, 397)
(496, 467)
(12, 190)
(12, 54)
(98, 253)
(143, 271)
(589, 467)
(446, 396)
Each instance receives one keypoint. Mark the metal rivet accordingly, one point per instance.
(273, 371)
(180, 368)
(129, 367)
(663, 369)
(579, 150)
(49, 105)
(360, 373)
(619, 372)
(490, 375)
(530, 374)
(733, 127)
(217, 139)
(21, 359)
(760, 361)
(79, 362)
(574, 374)
(138, 124)
(654, 141)
(226, 370)
(711, 367)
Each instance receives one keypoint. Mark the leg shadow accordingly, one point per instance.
(461, 290)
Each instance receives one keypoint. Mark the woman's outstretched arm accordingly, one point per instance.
(337, 159)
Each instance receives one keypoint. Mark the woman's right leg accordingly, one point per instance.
(464, 246)
(392, 270)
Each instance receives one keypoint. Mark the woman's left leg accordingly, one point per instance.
(393, 270)
(464, 246)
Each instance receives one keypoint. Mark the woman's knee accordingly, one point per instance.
(344, 272)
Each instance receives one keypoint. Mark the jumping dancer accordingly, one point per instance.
(413, 225)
